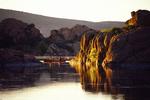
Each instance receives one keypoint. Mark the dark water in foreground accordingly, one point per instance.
(61, 82)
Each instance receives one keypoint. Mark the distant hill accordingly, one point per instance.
(46, 24)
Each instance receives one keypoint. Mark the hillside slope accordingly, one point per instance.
(46, 24)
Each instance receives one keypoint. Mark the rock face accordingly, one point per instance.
(88, 62)
(57, 49)
(19, 35)
(127, 47)
(66, 40)
(139, 18)
(132, 47)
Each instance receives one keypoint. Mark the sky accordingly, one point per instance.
(88, 10)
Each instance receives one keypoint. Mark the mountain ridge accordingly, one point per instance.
(45, 24)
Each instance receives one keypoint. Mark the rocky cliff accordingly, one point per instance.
(131, 48)
(129, 44)
(127, 47)
(139, 18)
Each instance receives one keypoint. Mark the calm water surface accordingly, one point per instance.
(61, 82)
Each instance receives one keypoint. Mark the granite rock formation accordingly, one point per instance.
(119, 48)
(139, 18)
(65, 41)
(18, 35)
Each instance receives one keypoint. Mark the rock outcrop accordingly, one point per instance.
(18, 35)
(139, 18)
(127, 47)
(18, 43)
(130, 48)
(65, 41)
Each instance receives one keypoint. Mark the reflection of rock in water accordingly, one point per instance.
(62, 72)
(88, 61)
(19, 75)
(44, 78)
(131, 77)
(94, 78)
(101, 53)
(134, 84)
(131, 84)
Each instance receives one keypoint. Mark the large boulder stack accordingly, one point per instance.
(102, 53)
(139, 18)
(19, 35)
(131, 48)
(66, 41)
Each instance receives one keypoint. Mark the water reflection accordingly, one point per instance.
(15, 77)
(130, 84)
(133, 84)
(60, 81)
(62, 72)
(93, 78)
(57, 91)
(56, 81)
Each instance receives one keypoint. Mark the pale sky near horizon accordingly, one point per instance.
(89, 10)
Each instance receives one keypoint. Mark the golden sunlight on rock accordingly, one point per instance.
(93, 76)
(118, 49)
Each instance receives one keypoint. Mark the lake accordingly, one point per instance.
(59, 81)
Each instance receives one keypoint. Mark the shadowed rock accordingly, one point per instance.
(19, 35)
(139, 18)
(65, 41)
(120, 48)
